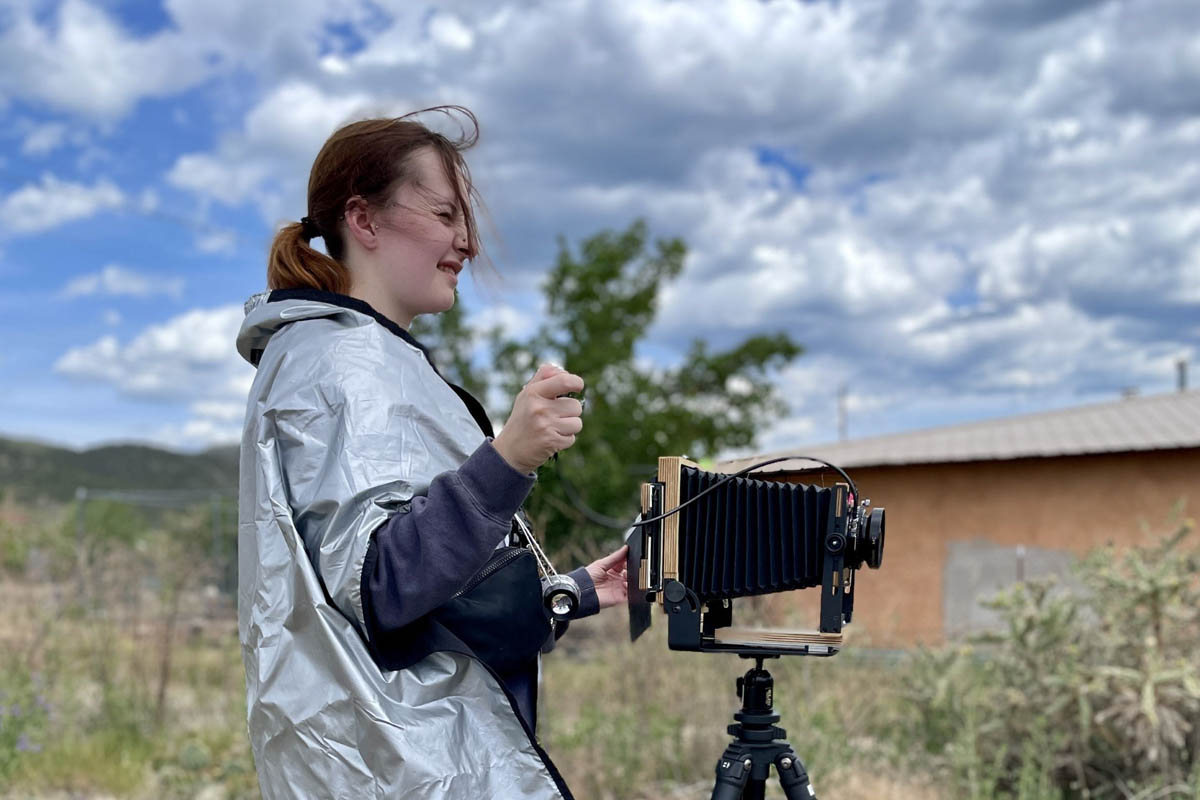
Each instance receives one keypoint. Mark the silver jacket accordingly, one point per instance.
(346, 422)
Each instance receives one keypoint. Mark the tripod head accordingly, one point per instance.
(758, 743)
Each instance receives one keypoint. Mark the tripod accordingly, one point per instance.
(757, 744)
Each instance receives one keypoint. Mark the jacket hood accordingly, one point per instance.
(269, 312)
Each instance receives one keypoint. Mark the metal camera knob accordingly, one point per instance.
(560, 594)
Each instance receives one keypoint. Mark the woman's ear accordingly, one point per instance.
(359, 223)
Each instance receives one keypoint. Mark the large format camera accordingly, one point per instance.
(705, 539)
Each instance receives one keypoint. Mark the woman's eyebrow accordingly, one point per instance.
(434, 195)
(446, 201)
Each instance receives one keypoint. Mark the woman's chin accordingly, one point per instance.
(443, 305)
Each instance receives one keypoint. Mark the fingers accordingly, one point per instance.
(545, 371)
(614, 558)
(555, 384)
(568, 426)
(564, 413)
(610, 562)
(566, 407)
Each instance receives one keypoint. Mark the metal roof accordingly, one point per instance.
(1154, 422)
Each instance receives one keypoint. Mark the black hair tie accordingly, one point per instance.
(309, 229)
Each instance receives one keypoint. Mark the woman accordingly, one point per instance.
(372, 491)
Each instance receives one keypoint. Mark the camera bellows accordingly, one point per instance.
(749, 537)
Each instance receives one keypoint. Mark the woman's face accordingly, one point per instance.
(422, 243)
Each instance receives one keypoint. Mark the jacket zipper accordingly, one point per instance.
(496, 563)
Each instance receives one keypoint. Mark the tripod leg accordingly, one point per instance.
(733, 772)
(793, 776)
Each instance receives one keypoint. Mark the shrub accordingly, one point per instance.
(1090, 690)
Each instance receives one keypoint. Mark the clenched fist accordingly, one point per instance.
(542, 421)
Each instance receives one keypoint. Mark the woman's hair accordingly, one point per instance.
(369, 158)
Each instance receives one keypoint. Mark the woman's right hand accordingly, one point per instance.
(542, 421)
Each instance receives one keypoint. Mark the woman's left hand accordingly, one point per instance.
(609, 575)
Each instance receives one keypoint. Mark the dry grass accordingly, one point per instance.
(622, 720)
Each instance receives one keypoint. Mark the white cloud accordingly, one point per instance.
(268, 38)
(189, 357)
(188, 362)
(513, 323)
(82, 61)
(112, 317)
(44, 139)
(231, 411)
(198, 432)
(34, 208)
(207, 175)
(115, 279)
(269, 159)
(216, 241)
(448, 30)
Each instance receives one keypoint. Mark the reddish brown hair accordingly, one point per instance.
(370, 159)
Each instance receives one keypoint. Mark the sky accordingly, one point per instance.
(963, 209)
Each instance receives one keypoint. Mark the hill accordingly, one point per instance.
(32, 471)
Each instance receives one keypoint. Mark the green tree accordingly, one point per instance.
(601, 302)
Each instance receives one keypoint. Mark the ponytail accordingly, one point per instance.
(294, 264)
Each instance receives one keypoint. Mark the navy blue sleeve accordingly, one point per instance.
(589, 603)
(424, 553)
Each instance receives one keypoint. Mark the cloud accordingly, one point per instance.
(268, 160)
(188, 362)
(449, 31)
(209, 424)
(37, 207)
(269, 39)
(44, 139)
(512, 322)
(115, 279)
(221, 411)
(81, 61)
(198, 432)
(189, 357)
(216, 241)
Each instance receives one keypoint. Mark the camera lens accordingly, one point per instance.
(875, 539)
(561, 604)
(561, 596)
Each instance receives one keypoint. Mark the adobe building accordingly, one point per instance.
(972, 508)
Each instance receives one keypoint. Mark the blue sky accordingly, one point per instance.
(963, 209)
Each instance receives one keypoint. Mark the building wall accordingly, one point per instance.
(968, 519)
